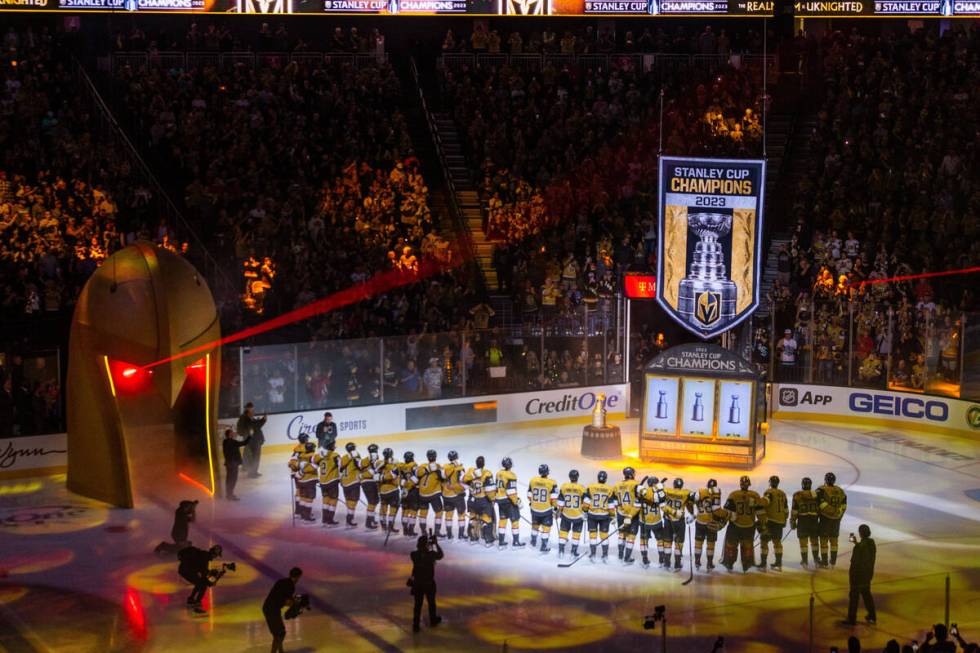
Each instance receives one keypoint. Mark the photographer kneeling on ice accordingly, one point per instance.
(195, 568)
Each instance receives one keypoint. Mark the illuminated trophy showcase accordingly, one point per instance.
(702, 404)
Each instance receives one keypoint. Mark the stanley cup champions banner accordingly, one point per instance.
(710, 238)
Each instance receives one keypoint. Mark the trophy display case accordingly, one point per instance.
(702, 404)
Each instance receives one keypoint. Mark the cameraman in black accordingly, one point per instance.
(423, 580)
(183, 516)
(195, 568)
(281, 595)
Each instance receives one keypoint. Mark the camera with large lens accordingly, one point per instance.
(215, 574)
(301, 602)
(650, 620)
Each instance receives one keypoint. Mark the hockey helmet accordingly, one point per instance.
(543, 470)
(629, 473)
(507, 463)
(602, 477)
(830, 478)
(303, 438)
(774, 481)
(652, 480)
(216, 551)
(350, 447)
(331, 445)
(712, 483)
(480, 462)
(388, 453)
(409, 457)
(744, 482)
(309, 447)
(372, 448)
(573, 476)
(807, 483)
(453, 456)
(678, 483)
(431, 455)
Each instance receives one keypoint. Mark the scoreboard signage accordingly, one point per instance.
(885, 8)
(666, 8)
(710, 230)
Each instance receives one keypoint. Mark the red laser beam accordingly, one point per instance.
(187, 479)
(923, 275)
(379, 283)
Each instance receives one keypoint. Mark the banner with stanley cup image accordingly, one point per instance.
(710, 241)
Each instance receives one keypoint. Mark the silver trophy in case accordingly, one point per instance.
(707, 295)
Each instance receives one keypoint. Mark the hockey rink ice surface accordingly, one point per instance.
(76, 576)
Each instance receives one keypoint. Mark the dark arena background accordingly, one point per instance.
(657, 318)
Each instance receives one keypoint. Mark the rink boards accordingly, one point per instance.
(47, 454)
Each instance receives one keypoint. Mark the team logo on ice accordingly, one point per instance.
(710, 237)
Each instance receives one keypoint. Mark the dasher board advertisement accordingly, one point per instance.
(710, 229)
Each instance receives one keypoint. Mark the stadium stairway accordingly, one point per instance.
(466, 195)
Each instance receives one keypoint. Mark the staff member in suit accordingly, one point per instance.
(861, 572)
(250, 426)
(326, 431)
(423, 580)
(232, 449)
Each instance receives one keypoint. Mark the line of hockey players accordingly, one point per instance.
(657, 512)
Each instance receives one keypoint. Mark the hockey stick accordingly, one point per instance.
(787, 533)
(566, 565)
(690, 552)
(292, 495)
(389, 523)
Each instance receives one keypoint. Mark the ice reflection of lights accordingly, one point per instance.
(135, 615)
(558, 627)
(35, 561)
(20, 488)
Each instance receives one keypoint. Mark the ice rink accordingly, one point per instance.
(76, 576)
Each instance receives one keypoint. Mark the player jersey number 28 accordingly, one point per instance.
(539, 495)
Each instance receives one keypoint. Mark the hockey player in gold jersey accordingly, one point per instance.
(777, 510)
(410, 494)
(350, 480)
(542, 496)
(600, 504)
(480, 482)
(748, 508)
(571, 497)
(832, 503)
(804, 518)
(652, 499)
(293, 464)
(327, 462)
(369, 484)
(305, 473)
(679, 510)
(706, 526)
(508, 505)
(454, 495)
(389, 480)
(627, 514)
(430, 480)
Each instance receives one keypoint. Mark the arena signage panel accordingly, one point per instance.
(926, 411)
(33, 453)
(710, 230)
(378, 421)
(885, 8)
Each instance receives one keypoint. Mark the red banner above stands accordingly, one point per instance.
(640, 286)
